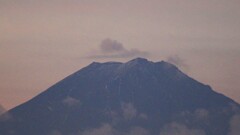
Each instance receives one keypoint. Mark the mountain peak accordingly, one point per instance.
(138, 62)
(138, 93)
(139, 59)
(143, 62)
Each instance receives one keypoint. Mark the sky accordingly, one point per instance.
(43, 41)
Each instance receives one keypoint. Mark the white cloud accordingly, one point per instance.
(180, 129)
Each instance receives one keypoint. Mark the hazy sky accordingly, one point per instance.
(43, 41)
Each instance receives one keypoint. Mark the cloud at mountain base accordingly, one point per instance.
(105, 129)
(129, 111)
(180, 129)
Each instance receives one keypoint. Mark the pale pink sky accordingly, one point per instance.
(43, 41)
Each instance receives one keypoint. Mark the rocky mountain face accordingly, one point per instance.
(138, 97)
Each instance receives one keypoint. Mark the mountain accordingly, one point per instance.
(138, 97)
(2, 110)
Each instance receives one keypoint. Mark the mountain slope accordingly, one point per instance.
(2, 110)
(136, 97)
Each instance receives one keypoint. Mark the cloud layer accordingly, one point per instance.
(107, 129)
(129, 112)
(180, 129)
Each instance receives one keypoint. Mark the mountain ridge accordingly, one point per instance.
(138, 95)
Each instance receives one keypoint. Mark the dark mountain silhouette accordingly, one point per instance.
(139, 97)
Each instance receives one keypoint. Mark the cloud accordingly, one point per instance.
(180, 129)
(198, 115)
(129, 111)
(70, 101)
(110, 48)
(107, 129)
(235, 125)
(178, 61)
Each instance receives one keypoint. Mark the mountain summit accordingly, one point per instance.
(138, 97)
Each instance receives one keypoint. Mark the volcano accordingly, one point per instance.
(139, 97)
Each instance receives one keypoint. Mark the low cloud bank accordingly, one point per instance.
(180, 129)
